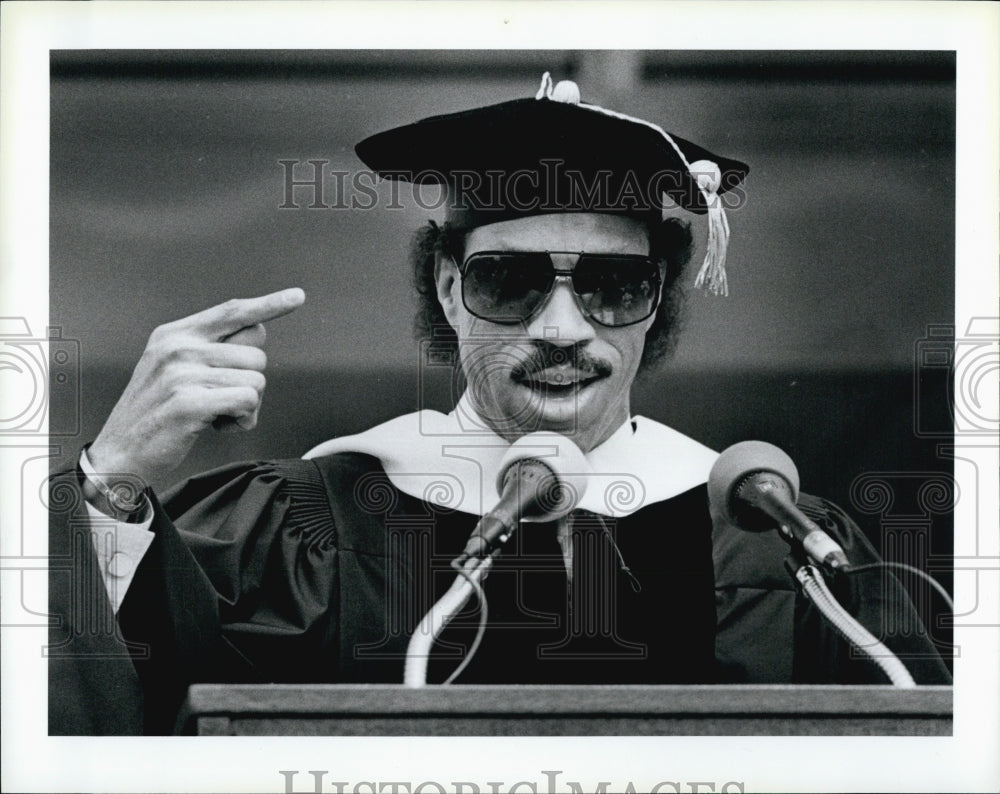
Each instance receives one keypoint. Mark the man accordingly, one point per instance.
(555, 275)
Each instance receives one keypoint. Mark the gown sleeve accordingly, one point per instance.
(245, 550)
(768, 633)
(264, 535)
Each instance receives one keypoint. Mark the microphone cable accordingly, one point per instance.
(903, 566)
(483, 601)
(521, 475)
(622, 565)
(481, 598)
(848, 627)
(484, 609)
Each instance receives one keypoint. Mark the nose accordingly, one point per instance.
(561, 320)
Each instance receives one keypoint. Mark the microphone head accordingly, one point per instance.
(560, 489)
(740, 461)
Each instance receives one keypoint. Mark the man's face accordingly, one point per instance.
(558, 370)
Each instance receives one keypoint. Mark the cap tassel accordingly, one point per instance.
(712, 276)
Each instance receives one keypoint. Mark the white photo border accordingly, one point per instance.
(32, 761)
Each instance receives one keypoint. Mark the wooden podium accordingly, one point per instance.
(390, 710)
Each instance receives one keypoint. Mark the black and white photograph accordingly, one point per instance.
(392, 400)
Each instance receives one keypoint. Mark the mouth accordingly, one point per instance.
(557, 381)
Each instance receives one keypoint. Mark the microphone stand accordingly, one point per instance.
(439, 616)
(527, 486)
(813, 586)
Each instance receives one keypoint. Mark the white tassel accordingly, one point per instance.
(712, 276)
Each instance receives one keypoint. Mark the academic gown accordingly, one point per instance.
(319, 570)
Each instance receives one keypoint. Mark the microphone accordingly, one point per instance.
(542, 477)
(754, 485)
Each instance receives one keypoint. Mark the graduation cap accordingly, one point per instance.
(555, 153)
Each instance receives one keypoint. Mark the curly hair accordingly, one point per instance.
(670, 242)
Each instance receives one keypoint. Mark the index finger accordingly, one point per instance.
(229, 317)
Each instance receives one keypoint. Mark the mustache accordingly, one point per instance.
(546, 355)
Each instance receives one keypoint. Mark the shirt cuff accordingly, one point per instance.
(119, 545)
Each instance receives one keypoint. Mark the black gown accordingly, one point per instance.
(319, 571)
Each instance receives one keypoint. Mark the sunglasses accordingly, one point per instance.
(511, 286)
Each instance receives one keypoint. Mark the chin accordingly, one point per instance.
(570, 412)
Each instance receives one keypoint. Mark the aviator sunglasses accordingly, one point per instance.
(511, 286)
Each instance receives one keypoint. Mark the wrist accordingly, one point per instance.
(104, 460)
(120, 496)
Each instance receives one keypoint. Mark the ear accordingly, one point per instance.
(449, 287)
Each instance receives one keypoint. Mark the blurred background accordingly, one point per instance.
(166, 194)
